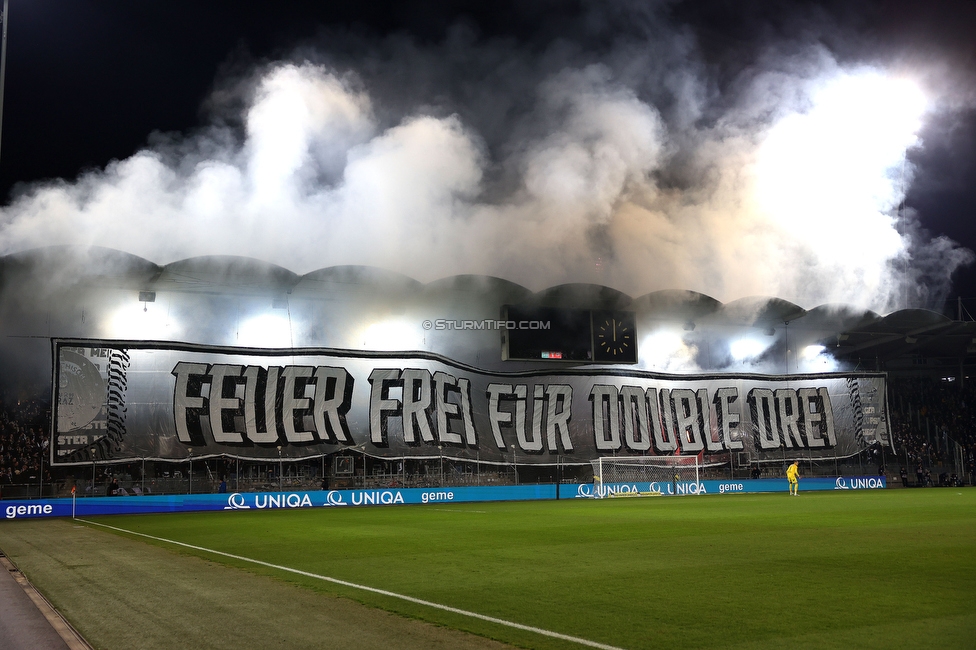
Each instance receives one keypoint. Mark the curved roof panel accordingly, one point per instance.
(363, 276)
(479, 283)
(907, 320)
(834, 317)
(762, 310)
(73, 264)
(225, 271)
(677, 304)
(582, 296)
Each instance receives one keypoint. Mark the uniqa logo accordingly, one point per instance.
(682, 487)
(236, 502)
(282, 501)
(610, 490)
(334, 498)
(384, 497)
(586, 491)
(868, 483)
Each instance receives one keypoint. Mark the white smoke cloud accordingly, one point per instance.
(792, 190)
(666, 351)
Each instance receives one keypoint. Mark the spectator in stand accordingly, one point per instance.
(22, 439)
(933, 420)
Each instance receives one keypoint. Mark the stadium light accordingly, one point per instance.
(812, 351)
(816, 358)
(265, 331)
(665, 350)
(392, 335)
(746, 348)
(146, 297)
(128, 322)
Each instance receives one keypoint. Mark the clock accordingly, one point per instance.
(614, 336)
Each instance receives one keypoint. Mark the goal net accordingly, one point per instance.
(645, 469)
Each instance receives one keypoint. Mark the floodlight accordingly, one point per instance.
(746, 349)
(125, 322)
(812, 351)
(392, 335)
(265, 331)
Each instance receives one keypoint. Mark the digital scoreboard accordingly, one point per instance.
(551, 333)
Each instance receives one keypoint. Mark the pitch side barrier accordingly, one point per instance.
(92, 506)
(744, 486)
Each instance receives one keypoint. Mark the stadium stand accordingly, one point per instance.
(24, 430)
(933, 429)
(933, 426)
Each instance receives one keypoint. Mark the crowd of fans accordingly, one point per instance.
(933, 420)
(24, 431)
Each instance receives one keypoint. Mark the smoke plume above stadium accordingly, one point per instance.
(627, 165)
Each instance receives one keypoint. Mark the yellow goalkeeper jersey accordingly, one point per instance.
(793, 472)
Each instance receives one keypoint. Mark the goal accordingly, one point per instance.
(645, 469)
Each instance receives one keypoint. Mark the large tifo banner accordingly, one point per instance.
(124, 400)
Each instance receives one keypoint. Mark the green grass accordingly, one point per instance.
(123, 594)
(854, 569)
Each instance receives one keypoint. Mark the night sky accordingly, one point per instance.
(91, 81)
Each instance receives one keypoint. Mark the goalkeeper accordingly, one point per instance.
(793, 476)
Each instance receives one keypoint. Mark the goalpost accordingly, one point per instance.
(643, 469)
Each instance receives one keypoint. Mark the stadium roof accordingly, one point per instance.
(908, 338)
(914, 340)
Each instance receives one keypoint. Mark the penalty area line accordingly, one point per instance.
(382, 592)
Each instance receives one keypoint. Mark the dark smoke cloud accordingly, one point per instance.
(625, 147)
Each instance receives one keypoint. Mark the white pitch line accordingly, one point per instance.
(479, 512)
(382, 592)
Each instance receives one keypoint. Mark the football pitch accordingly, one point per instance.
(858, 569)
